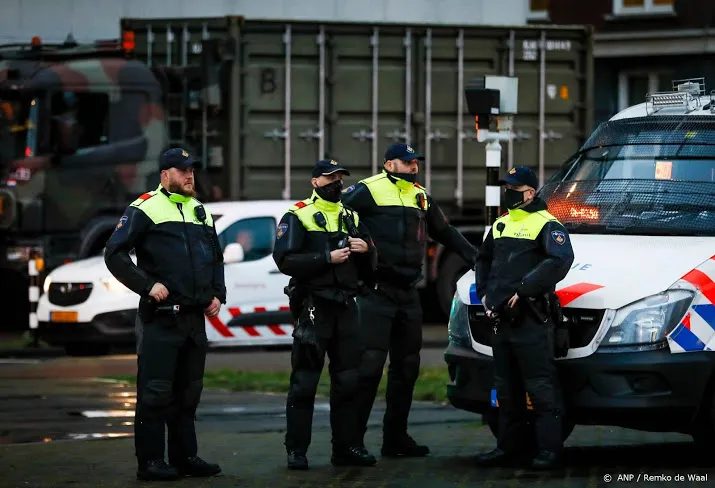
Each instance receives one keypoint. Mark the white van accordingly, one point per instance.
(638, 200)
(86, 310)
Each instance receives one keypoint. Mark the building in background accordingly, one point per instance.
(640, 46)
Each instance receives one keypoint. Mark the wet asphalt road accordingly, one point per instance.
(34, 410)
(65, 398)
(45, 403)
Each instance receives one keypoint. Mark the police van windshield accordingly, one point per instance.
(647, 181)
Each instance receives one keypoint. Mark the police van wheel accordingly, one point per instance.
(704, 432)
(492, 419)
(82, 349)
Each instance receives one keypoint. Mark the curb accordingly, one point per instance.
(54, 352)
(32, 352)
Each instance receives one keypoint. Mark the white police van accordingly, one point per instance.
(638, 200)
(86, 310)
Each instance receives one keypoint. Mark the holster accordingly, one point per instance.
(147, 309)
(304, 330)
(555, 311)
(538, 308)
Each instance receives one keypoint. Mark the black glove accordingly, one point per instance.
(561, 341)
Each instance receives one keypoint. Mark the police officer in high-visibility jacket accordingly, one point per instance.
(524, 255)
(400, 215)
(179, 277)
(327, 251)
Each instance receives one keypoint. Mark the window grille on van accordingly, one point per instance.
(653, 207)
(686, 130)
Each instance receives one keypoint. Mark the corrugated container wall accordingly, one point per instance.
(89, 20)
(383, 84)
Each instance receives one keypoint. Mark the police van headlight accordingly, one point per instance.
(458, 325)
(649, 320)
(114, 285)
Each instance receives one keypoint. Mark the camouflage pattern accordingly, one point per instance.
(94, 181)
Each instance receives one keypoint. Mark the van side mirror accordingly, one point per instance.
(233, 253)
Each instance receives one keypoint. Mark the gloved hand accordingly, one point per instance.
(561, 341)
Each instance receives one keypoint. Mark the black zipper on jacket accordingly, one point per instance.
(187, 246)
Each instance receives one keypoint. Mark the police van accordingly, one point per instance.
(86, 310)
(638, 199)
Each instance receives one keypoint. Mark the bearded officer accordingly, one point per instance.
(399, 214)
(179, 277)
(327, 251)
(524, 255)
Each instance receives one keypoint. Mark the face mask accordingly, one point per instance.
(409, 177)
(513, 198)
(330, 192)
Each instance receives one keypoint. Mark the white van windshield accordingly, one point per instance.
(645, 179)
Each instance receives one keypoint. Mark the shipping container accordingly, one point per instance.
(309, 90)
(292, 92)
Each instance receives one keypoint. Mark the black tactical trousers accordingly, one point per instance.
(171, 358)
(336, 329)
(391, 322)
(524, 363)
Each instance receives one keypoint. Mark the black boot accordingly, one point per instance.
(404, 445)
(157, 470)
(496, 457)
(196, 467)
(297, 460)
(546, 460)
(352, 456)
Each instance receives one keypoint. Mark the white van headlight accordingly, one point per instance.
(46, 284)
(114, 285)
(648, 320)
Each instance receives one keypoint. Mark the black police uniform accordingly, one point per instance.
(399, 215)
(527, 251)
(176, 245)
(322, 298)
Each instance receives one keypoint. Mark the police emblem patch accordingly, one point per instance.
(512, 171)
(121, 222)
(349, 189)
(282, 229)
(559, 237)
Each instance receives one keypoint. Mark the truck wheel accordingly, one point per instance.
(492, 419)
(451, 269)
(82, 349)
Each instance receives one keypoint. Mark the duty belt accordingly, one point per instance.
(177, 309)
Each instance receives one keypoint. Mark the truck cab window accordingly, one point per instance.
(256, 235)
(78, 121)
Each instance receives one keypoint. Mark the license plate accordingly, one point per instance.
(63, 316)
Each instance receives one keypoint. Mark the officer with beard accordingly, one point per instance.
(524, 255)
(326, 250)
(179, 277)
(399, 214)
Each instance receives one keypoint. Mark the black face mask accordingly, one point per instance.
(330, 192)
(411, 177)
(513, 198)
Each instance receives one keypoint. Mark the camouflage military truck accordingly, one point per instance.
(81, 129)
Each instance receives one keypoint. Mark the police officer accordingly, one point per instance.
(179, 277)
(399, 215)
(327, 251)
(525, 254)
